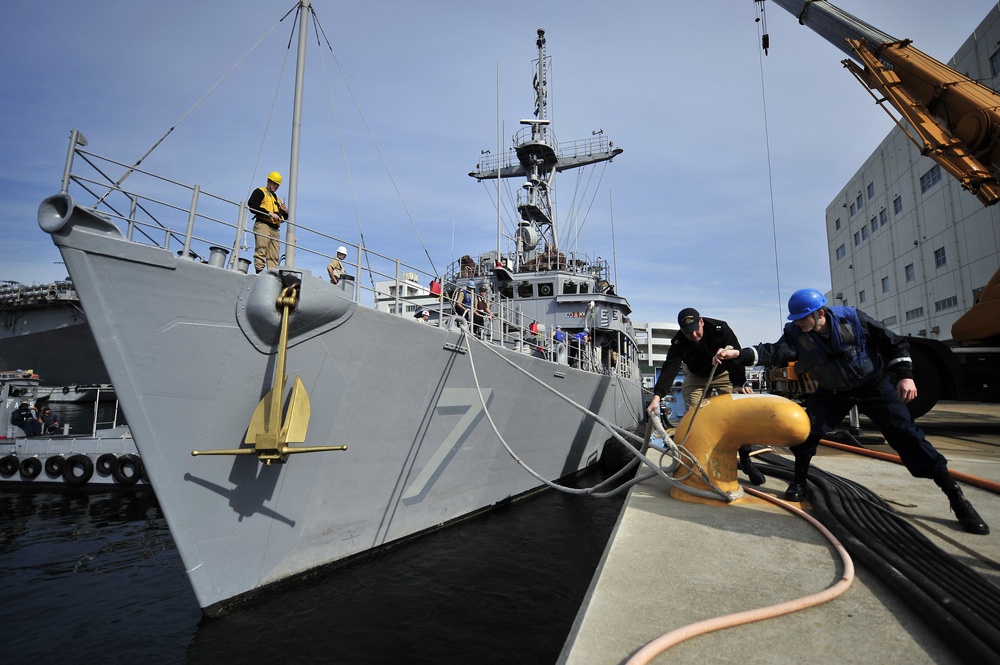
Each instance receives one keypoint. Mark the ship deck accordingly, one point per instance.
(670, 563)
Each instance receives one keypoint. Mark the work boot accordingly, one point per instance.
(797, 488)
(967, 516)
(756, 477)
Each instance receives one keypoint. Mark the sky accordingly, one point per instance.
(717, 202)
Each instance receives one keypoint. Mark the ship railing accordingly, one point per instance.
(201, 226)
(204, 227)
(489, 163)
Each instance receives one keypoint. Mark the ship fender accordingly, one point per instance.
(127, 470)
(105, 464)
(54, 466)
(30, 468)
(9, 466)
(78, 470)
(722, 424)
(320, 308)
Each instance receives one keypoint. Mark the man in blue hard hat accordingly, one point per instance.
(856, 361)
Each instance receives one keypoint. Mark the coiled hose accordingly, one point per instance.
(958, 603)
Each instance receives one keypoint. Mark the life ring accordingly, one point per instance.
(72, 464)
(106, 464)
(9, 466)
(127, 470)
(65, 390)
(30, 468)
(54, 465)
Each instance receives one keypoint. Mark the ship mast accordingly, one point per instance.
(305, 7)
(539, 158)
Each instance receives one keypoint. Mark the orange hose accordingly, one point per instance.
(664, 642)
(976, 481)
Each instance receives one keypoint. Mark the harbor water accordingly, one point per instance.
(92, 578)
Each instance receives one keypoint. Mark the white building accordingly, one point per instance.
(907, 244)
(407, 298)
(653, 340)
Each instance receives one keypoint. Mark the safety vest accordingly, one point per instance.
(844, 361)
(270, 203)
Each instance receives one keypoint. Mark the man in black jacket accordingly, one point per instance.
(695, 345)
(856, 361)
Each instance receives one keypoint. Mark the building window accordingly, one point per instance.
(857, 238)
(995, 64)
(874, 224)
(861, 201)
(940, 261)
(947, 303)
(931, 178)
(841, 252)
(864, 233)
(910, 274)
(885, 285)
(883, 216)
(891, 321)
(897, 205)
(871, 191)
(853, 210)
(861, 296)
(914, 313)
(836, 225)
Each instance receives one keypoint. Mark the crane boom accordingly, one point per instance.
(952, 119)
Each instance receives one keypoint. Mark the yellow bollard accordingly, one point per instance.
(724, 423)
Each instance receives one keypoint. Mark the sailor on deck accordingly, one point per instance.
(269, 212)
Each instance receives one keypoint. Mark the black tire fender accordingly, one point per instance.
(54, 466)
(106, 464)
(9, 466)
(127, 470)
(74, 463)
(30, 468)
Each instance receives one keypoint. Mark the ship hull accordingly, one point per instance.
(55, 341)
(191, 350)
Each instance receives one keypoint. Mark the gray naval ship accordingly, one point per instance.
(284, 424)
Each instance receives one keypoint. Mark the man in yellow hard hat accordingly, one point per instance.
(268, 211)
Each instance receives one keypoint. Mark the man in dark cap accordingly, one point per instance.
(695, 346)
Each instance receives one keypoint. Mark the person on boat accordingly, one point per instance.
(27, 419)
(423, 315)
(462, 300)
(269, 212)
(580, 347)
(559, 336)
(50, 421)
(481, 310)
(336, 266)
(856, 361)
(695, 346)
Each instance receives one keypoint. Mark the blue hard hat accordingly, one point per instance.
(804, 302)
(471, 284)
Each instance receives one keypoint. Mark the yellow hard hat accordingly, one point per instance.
(274, 177)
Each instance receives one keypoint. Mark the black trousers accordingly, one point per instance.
(877, 400)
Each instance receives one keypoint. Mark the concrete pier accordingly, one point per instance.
(671, 563)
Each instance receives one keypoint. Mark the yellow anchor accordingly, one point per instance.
(266, 431)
